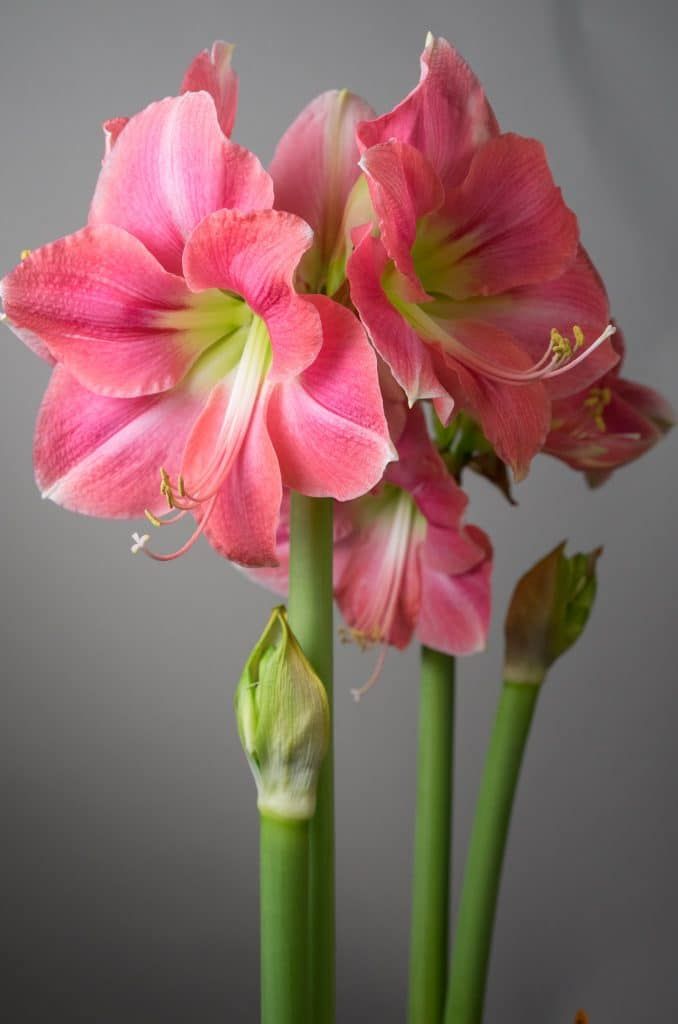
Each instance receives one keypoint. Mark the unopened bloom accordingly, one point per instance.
(475, 289)
(549, 609)
(607, 425)
(314, 169)
(283, 720)
(191, 377)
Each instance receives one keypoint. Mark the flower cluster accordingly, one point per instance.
(222, 334)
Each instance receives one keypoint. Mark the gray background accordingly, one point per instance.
(129, 879)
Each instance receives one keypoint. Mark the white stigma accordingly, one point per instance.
(139, 542)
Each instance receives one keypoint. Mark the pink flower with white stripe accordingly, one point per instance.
(474, 288)
(182, 347)
(404, 561)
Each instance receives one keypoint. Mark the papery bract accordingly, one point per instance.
(183, 347)
(608, 425)
(476, 276)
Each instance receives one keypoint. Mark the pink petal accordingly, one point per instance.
(244, 522)
(445, 117)
(328, 425)
(646, 402)
(103, 305)
(256, 255)
(276, 577)
(455, 609)
(508, 223)
(171, 167)
(314, 169)
(211, 72)
(112, 129)
(396, 342)
(404, 187)
(378, 597)
(515, 417)
(101, 456)
(529, 313)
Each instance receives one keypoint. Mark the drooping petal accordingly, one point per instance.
(328, 424)
(210, 71)
(170, 167)
(103, 306)
(455, 609)
(244, 522)
(515, 418)
(404, 187)
(101, 456)
(276, 577)
(446, 117)
(507, 224)
(396, 342)
(314, 168)
(647, 402)
(255, 255)
(377, 582)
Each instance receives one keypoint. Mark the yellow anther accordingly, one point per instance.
(182, 488)
(596, 402)
(560, 345)
(25, 253)
(578, 336)
(151, 518)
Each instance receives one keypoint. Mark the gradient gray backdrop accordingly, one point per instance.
(129, 857)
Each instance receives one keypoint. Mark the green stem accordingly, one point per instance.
(473, 936)
(284, 921)
(311, 618)
(432, 839)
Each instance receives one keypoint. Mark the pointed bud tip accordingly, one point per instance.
(548, 612)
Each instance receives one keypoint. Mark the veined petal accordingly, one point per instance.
(211, 72)
(404, 187)
(255, 255)
(328, 424)
(507, 224)
(396, 342)
(515, 417)
(170, 167)
(276, 577)
(244, 522)
(101, 456)
(106, 309)
(455, 609)
(446, 117)
(314, 169)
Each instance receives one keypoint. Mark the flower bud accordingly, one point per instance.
(549, 609)
(284, 722)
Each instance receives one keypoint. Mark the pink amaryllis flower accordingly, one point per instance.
(474, 289)
(404, 562)
(183, 350)
(609, 424)
(211, 72)
(314, 169)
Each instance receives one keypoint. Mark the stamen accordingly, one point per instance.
(139, 542)
(596, 402)
(378, 668)
(25, 253)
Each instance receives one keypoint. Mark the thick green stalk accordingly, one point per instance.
(473, 935)
(432, 839)
(311, 618)
(284, 921)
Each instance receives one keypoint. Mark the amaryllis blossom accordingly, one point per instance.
(314, 169)
(607, 425)
(190, 373)
(475, 289)
(404, 562)
(211, 72)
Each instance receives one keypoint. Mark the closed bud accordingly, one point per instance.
(284, 722)
(549, 609)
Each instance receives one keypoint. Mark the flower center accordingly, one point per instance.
(234, 369)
